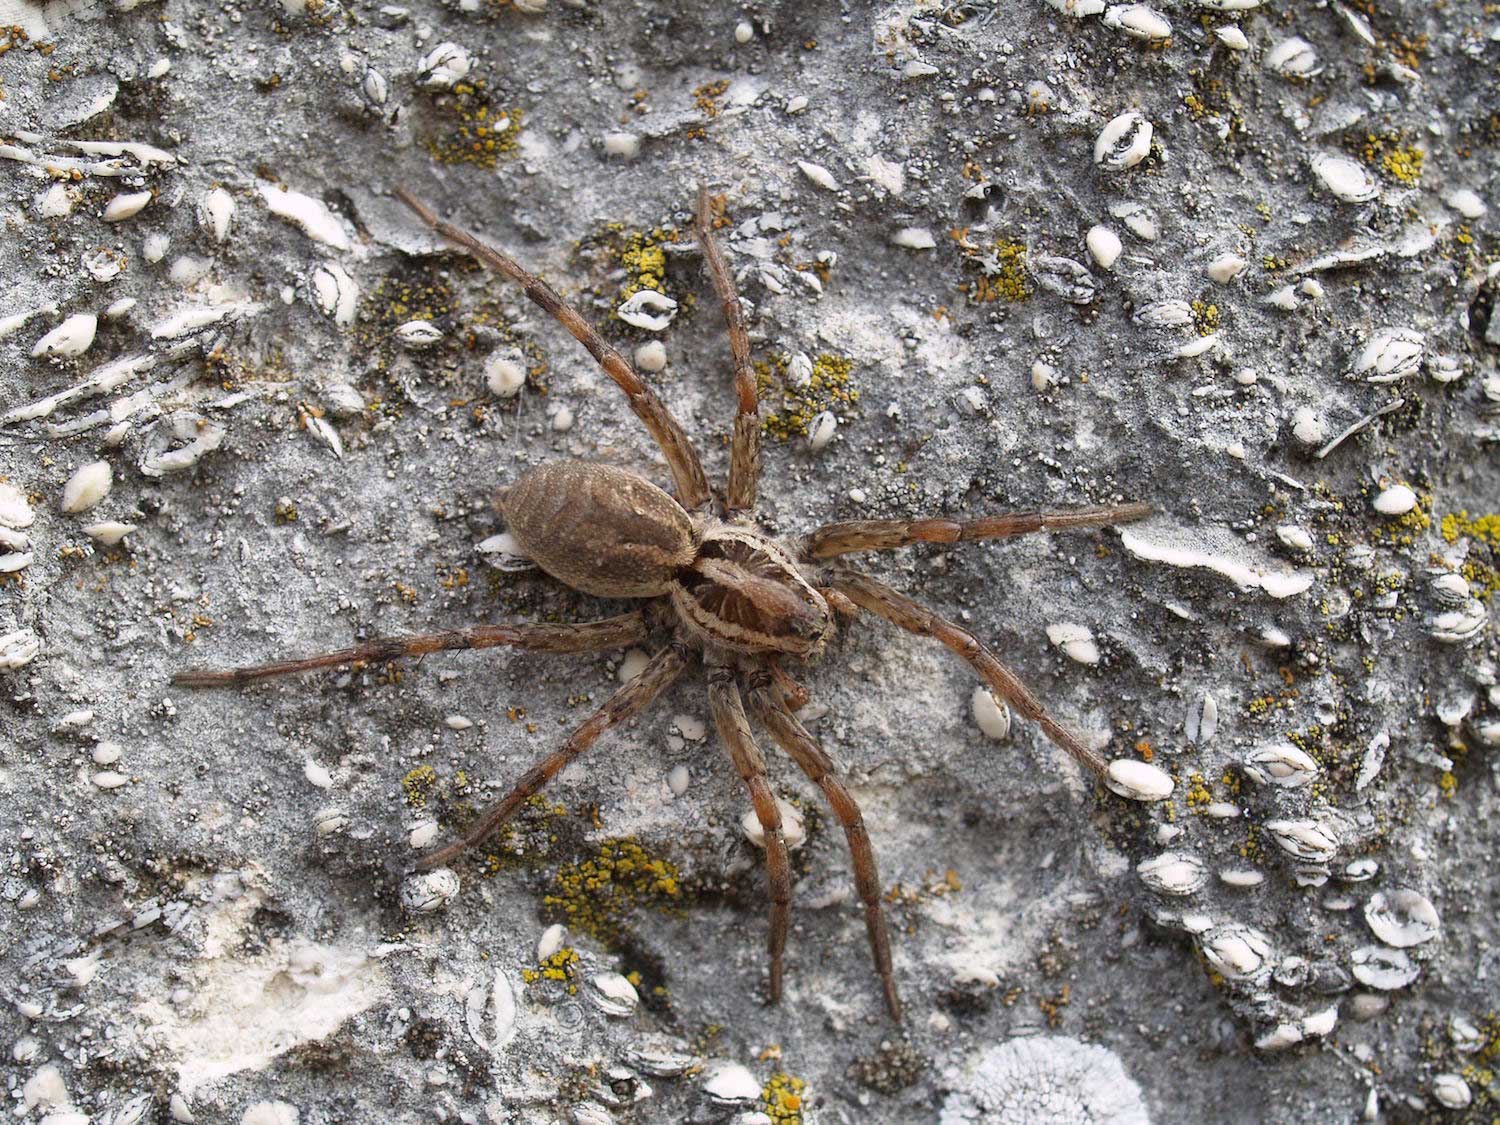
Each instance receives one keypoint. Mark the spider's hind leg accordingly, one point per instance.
(750, 764)
(630, 700)
(586, 636)
(802, 748)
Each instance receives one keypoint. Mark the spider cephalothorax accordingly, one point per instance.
(729, 596)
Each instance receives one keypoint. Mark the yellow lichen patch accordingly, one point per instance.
(558, 967)
(1402, 531)
(789, 410)
(707, 96)
(1399, 162)
(640, 253)
(783, 1098)
(1460, 525)
(1002, 270)
(418, 785)
(480, 132)
(1205, 317)
(595, 895)
(1198, 795)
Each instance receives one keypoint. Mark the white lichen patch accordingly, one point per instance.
(1047, 1080)
(248, 1010)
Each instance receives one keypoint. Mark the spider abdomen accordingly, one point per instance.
(599, 529)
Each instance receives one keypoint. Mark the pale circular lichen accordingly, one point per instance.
(1046, 1080)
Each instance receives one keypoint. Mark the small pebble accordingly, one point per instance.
(1395, 501)
(651, 356)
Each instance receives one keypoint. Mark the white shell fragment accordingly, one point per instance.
(821, 429)
(1467, 203)
(1124, 142)
(418, 334)
(648, 309)
(123, 206)
(1293, 58)
(1229, 5)
(1076, 641)
(1344, 178)
(1066, 278)
(14, 509)
(1140, 781)
(1236, 951)
(1281, 764)
(612, 994)
(1165, 314)
(1225, 268)
(731, 1084)
(443, 66)
(818, 175)
(88, 485)
(210, 435)
(1382, 968)
(1304, 839)
(18, 649)
(793, 828)
(1232, 37)
(1391, 354)
(72, 337)
(504, 553)
(651, 356)
(1104, 246)
(1078, 9)
(311, 215)
(429, 890)
(1193, 549)
(1402, 918)
(1451, 1091)
(1173, 873)
(336, 293)
(1139, 21)
(504, 373)
(1396, 500)
(990, 715)
(914, 238)
(215, 213)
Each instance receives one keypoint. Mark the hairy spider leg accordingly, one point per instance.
(796, 696)
(771, 709)
(744, 456)
(676, 446)
(900, 610)
(734, 732)
(630, 700)
(584, 636)
(883, 535)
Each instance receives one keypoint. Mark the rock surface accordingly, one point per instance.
(1263, 304)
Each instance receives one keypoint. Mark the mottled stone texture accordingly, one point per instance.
(200, 902)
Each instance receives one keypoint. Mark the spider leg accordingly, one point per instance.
(682, 458)
(883, 535)
(734, 730)
(585, 636)
(900, 610)
(744, 457)
(795, 694)
(771, 709)
(630, 700)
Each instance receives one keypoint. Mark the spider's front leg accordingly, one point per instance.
(884, 535)
(734, 731)
(900, 610)
(586, 636)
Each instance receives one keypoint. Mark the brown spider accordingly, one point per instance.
(732, 596)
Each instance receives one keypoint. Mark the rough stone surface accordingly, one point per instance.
(201, 895)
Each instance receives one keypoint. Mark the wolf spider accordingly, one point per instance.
(732, 597)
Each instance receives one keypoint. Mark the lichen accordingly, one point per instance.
(827, 389)
(479, 132)
(595, 895)
(1047, 1080)
(418, 786)
(558, 967)
(783, 1098)
(1001, 267)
